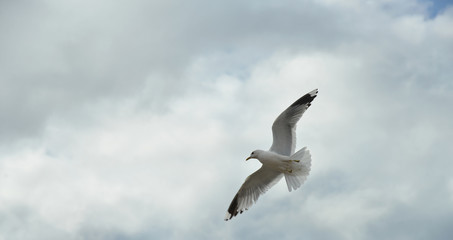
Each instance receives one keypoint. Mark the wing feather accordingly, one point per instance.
(284, 127)
(256, 184)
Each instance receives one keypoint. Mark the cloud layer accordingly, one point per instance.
(132, 120)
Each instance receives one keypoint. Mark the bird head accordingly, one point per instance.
(254, 154)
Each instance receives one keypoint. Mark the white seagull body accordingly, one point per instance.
(279, 161)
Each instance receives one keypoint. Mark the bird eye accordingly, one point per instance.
(252, 153)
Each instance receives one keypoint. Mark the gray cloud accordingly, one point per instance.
(131, 121)
(63, 56)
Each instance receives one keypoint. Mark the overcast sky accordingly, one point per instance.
(132, 119)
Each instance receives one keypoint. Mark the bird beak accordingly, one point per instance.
(247, 158)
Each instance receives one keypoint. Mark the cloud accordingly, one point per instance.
(83, 52)
(131, 121)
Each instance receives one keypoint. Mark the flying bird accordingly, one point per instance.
(281, 159)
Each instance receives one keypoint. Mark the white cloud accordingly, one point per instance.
(132, 121)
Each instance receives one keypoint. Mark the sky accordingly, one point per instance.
(132, 119)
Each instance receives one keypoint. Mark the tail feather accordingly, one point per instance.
(299, 169)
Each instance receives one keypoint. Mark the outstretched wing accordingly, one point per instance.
(255, 185)
(284, 127)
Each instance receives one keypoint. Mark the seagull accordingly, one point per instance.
(281, 159)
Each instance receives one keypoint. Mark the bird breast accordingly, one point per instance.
(271, 158)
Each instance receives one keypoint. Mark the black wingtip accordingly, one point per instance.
(233, 209)
(306, 99)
